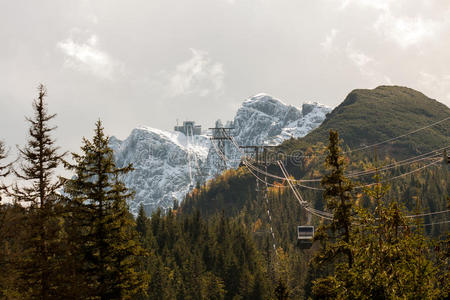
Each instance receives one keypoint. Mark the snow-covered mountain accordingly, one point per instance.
(264, 119)
(168, 164)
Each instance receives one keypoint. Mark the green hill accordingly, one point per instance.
(366, 117)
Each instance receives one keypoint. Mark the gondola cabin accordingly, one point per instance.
(305, 236)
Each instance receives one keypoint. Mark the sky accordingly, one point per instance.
(133, 63)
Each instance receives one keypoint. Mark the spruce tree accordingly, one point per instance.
(390, 256)
(8, 231)
(11, 250)
(337, 236)
(281, 292)
(103, 228)
(338, 196)
(4, 168)
(142, 222)
(40, 267)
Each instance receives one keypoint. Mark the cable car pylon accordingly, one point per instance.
(221, 135)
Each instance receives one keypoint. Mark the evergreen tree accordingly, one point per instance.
(443, 257)
(281, 292)
(109, 248)
(338, 196)
(337, 236)
(8, 231)
(40, 268)
(142, 221)
(386, 246)
(4, 169)
(11, 241)
(390, 259)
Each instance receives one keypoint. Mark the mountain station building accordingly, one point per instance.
(189, 127)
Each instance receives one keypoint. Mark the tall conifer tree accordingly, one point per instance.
(102, 225)
(142, 222)
(40, 267)
(4, 168)
(6, 265)
(338, 194)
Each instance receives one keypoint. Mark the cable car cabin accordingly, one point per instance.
(305, 236)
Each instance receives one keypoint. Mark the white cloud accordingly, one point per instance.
(377, 4)
(405, 31)
(328, 43)
(198, 75)
(357, 57)
(367, 65)
(437, 86)
(86, 57)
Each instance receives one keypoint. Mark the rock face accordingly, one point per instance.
(264, 119)
(168, 164)
(165, 164)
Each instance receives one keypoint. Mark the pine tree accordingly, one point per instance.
(338, 196)
(390, 259)
(4, 169)
(142, 222)
(386, 247)
(391, 256)
(6, 265)
(11, 250)
(338, 245)
(40, 267)
(105, 231)
(281, 292)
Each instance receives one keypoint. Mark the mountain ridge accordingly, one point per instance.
(368, 116)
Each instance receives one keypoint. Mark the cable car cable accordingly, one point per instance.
(385, 141)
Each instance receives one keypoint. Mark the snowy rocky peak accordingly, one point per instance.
(271, 107)
(266, 104)
(308, 107)
(263, 118)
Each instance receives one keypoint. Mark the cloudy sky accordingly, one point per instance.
(134, 63)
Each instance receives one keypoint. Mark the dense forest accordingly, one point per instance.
(233, 237)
